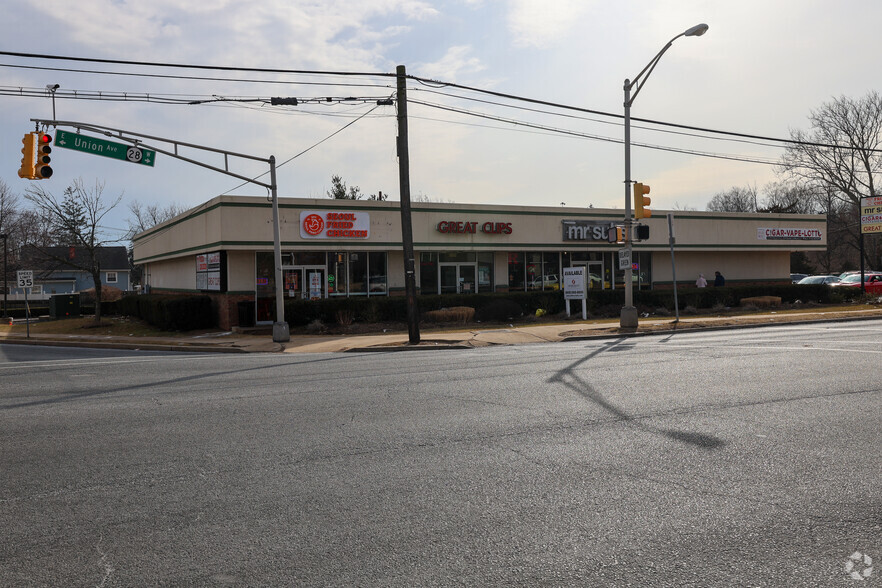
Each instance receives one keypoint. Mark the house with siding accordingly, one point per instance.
(64, 270)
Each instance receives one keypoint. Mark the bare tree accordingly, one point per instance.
(9, 208)
(783, 198)
(734, 200)
(842, 153)
(9, 213)
(146, 216)
(76, 219)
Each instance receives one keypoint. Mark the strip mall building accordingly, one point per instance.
(354, 248)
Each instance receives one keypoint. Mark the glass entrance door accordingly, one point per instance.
(457, 278)
(307, 282)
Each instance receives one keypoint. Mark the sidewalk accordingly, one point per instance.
(454, 338)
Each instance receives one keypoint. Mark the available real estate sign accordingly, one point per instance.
(871, 214)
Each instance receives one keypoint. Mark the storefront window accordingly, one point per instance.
(643, 272)
(358, 272)
(378, 280)
(428, 273)
(551, 271)
(516, 272)
(485, 272)
(337, 274)
(534, 271)
(265, 286)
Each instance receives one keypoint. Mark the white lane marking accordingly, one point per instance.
(769, 346)
(88, 362)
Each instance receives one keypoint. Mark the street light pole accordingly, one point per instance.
(628, 318)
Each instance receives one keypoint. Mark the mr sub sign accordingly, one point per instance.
(577, 230)
(320, 224)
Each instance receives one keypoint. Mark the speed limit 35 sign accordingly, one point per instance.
(25, 278)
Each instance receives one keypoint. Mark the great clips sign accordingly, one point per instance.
(472, 227)
(334, 225)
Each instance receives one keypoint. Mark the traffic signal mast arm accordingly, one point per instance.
(136, 140)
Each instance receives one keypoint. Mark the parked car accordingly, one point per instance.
(853, 272)
(795, 278)
(818, 280)
(549, 281)
(872, 282)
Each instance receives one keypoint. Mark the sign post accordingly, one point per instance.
(26, 281)
(574, 288)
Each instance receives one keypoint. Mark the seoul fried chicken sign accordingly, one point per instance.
(334, 225)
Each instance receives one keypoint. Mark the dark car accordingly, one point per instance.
(795, 278)
(818, 280)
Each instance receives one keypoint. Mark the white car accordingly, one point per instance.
(549, 281)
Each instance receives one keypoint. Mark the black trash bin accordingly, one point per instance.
(246, 313)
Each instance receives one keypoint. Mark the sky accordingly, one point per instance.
(761, 69)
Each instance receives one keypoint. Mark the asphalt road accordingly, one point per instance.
(738, 458)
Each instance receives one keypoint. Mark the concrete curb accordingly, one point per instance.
(392, 347)
(123, 345)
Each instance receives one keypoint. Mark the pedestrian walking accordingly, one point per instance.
(700, 282)
(719, 280)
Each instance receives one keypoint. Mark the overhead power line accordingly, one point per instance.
(193, 66)
(595, 137)
(431, 83)
(192, 78)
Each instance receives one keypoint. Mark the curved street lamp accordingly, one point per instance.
(628, 317)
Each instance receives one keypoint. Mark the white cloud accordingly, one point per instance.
(539, 23)
(456, 61)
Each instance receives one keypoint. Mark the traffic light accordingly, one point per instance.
(641, 201)
(42, 169)
(29, 152)
(616, 234)
(641, 232)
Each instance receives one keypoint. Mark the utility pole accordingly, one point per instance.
(5, 273)
(413, 320)
(281, 333)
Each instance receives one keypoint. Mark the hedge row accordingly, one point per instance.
(185, 313)
(169, 313)
(494, 306)
(394, 308)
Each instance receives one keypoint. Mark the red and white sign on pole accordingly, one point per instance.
(871, 214)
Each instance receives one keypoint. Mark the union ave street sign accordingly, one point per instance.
(111, 149)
